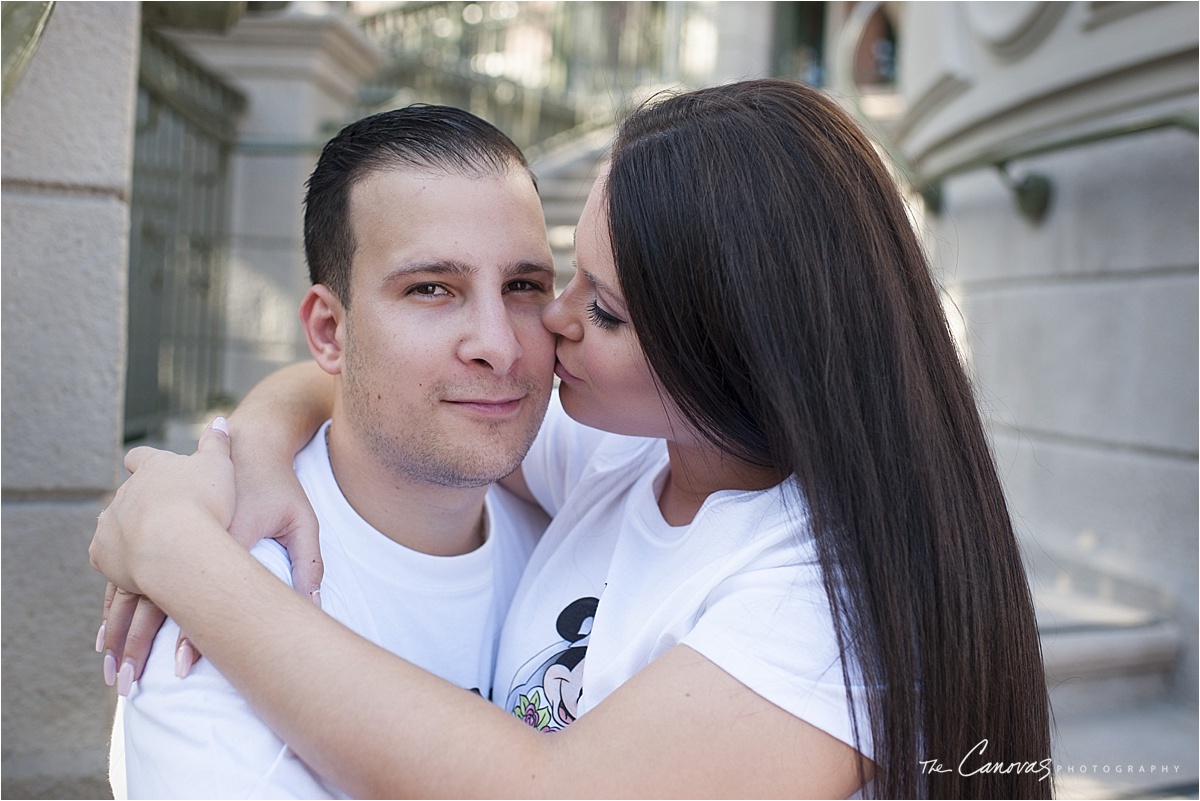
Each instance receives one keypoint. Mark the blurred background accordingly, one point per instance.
(154, 156)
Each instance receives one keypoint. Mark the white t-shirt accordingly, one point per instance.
(611, 586)
(198, 738)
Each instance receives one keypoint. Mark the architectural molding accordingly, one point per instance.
(1102, 13)
(1012, 30)
(963, 98)
(1165, 86)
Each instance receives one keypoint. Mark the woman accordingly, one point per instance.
(803, 582)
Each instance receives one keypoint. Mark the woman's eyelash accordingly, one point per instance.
(602, 318)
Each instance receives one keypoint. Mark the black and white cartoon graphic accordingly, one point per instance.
(548, 688)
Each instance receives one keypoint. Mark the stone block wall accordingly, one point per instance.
(67, 155)
(1081, 328)
(1082, 335)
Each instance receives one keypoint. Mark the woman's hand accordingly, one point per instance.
(141, 526)
(271, 503)
(270, 425)
(130, 621)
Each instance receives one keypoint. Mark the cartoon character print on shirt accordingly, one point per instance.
(547, 688)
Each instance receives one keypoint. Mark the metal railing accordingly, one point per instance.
(535, 70)
(179, 213)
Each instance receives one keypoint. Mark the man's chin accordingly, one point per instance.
(477, 470)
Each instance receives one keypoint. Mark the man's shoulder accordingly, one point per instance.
(199, 737)
(274, 557)
(508, 512)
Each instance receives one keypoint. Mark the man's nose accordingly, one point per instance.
(490, 337)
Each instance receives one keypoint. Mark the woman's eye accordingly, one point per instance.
(602, 318)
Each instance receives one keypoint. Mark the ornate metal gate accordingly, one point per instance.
(178, 233)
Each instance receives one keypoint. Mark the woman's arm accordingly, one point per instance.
(272, 423)
(380, 727)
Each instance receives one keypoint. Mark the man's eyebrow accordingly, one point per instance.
(460, 269)
(529, 268)
(455, 268)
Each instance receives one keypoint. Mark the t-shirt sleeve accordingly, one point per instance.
(771, 629)
(559, 456)
(198, 737)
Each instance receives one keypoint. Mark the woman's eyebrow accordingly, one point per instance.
(613, 296)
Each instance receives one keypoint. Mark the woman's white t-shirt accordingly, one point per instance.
(611, 586)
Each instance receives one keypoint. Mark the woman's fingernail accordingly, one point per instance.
(316, 596)
(183, 659)
(125, 678)
(220, 424)
(100, 636)
(110, 668)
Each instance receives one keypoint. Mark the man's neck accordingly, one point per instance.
(441, 521)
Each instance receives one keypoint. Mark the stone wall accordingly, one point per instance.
(68, 137)
(1080, 327)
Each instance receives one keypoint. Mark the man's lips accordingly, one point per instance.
(490, 406)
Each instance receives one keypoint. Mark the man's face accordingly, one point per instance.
(447, 368)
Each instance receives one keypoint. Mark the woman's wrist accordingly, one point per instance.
(281, 413)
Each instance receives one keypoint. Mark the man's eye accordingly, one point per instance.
(428, 290)
(525, 286)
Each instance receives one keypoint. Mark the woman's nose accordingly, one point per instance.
(561, 315)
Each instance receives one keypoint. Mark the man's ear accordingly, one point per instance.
(324, 319)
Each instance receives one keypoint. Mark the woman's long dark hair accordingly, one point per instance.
(783, 300)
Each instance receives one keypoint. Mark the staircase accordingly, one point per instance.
(565, 176)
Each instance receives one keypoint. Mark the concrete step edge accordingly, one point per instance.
(1149, 751)
(1099, 652)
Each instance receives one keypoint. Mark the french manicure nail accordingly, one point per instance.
(316, 596)
(110, 668)
(220, 424)
(100, 636)
(125, 678)
(183, 659)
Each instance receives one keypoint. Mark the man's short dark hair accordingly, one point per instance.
(423, 137)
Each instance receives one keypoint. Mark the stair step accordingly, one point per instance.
(565, 178)
(1144, 752)
(584, 153)
(1102, 654)
(560, 212)
(566, 190)
(1113, 668)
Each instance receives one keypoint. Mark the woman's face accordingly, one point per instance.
(606, 381)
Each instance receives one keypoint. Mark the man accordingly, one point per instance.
(430, 266)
